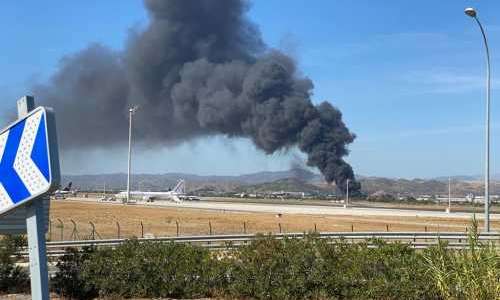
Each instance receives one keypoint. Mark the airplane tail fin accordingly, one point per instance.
(180, 188)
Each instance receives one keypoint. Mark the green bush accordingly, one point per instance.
(387, 271)
(269, 268)
(68, 281)
(152, 270)
(13, 279)
(472, 273)
(314, 268)
(276, 269)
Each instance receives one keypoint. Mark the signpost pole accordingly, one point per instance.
(36, 229)
(37, 251)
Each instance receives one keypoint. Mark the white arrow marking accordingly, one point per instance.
(29, 173)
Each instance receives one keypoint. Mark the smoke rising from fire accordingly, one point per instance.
(199, 68)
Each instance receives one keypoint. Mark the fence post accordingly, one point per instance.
(142, 230)
(425, 228)
(118, 229)
(352, 227)
(93, 230)
(74, 233)
(177, 226)
(279, 224)
(387, 227)
(62, 229)
(210, 227)
(244, 227)
(315, 228)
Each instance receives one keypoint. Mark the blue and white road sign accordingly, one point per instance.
(27, 168)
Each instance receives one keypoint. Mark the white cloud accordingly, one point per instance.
(446, 81)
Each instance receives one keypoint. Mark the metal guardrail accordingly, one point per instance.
(417, 240)
(214, 241)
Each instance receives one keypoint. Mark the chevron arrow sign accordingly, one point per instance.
(29, 164)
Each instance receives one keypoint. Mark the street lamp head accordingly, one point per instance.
(471, 12)
(133, 109)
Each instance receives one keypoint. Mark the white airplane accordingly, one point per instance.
(177, 194)
(67, 191)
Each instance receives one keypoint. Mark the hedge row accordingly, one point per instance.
(267, 268)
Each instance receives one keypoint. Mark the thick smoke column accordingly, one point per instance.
(199, 68)
(299, 170)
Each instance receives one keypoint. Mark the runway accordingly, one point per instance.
(316, 210)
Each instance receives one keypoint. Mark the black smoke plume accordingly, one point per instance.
(198, 68)
(299, 170)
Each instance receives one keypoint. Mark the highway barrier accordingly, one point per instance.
(419, 240)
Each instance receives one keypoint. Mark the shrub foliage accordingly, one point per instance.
(268, 268)
(151, 270)
(68, 281)
(472, 273)
(13, 279)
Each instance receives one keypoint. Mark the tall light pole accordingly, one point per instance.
(471, 12)
(448, 210)
(347, 194)
(131, 112)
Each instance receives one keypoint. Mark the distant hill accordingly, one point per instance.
(162, 182)
(495, 177)
(289, 181)
(415, 187)
(459, 178)
(288, 185)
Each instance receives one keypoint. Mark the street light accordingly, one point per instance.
(131, 111)
(346, 205)
(471, 12)
(448, 210)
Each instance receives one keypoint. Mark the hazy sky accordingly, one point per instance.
(407, 75)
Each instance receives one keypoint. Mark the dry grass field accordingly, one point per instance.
(159, 221)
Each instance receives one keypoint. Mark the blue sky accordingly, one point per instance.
(407, 75)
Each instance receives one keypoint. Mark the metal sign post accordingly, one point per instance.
(29, 171)
(37, 250)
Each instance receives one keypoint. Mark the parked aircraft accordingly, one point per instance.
(177, 194)
(67, 191)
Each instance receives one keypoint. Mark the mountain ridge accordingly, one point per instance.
(261, 180)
